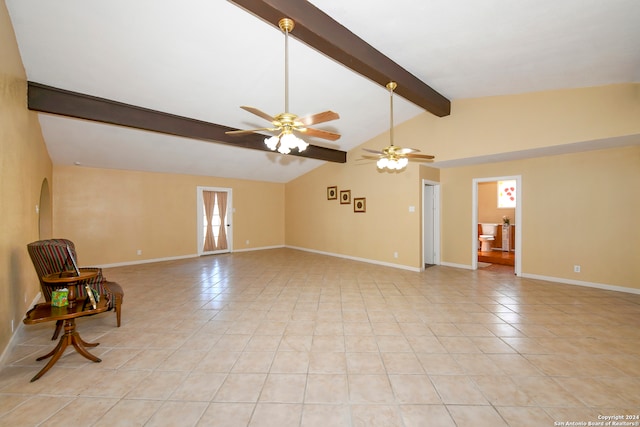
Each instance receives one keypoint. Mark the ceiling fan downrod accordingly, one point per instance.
(391, 86)
(286, 25)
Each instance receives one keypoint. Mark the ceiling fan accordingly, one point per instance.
(285, 124)
(393, 157)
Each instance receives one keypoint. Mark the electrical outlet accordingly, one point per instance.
(576, 269)
(247, 242)
(395, 254)
(139, 252)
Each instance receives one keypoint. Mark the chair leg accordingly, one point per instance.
(117, 295)
(57, 330)
(118, 309)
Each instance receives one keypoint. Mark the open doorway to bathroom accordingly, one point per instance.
(497, 223)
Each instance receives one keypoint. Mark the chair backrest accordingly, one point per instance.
(50, 256)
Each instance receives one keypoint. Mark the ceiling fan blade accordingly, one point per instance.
(258, 113)
(320, 134)
(365, 157)
(373, 151)
(419, 156)
(408, 150)
(242, 132)
(314, 119)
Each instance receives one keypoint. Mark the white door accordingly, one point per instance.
(214, 220)
(430, 223)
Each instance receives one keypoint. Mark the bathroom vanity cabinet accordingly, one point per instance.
(506, 242)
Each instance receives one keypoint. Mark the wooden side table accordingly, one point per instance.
(70, 280)
(45, 312)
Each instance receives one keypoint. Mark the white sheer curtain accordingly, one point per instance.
(222, 209)
(209, 198)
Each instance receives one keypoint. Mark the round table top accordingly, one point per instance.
(45, 312)
(69, 276)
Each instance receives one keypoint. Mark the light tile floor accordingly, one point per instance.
(289, 338)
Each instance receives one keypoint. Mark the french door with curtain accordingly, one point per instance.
(214, 220)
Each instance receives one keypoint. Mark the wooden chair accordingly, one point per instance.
(51, 256)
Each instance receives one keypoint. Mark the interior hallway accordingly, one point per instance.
(288, 338)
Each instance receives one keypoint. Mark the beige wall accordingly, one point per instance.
(481, 127)
(502, 124)
(110, 214)
(24, 164)
(577, 209)
(315, 223)
(429, 173)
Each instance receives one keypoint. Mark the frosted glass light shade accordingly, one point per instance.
(285, 142)
(392, 164)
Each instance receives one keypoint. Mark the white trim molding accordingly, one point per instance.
(17, 331)
(144, 261)
(582, 283)
(173, 258)
(454, 265)
(261, 248)
(370, 261)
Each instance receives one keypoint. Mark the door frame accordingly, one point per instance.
(200, 222)
(517, 220)
(436, 221)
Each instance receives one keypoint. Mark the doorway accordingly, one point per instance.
(44, 210)
(515, 222)
(214, 219)
(430, 223)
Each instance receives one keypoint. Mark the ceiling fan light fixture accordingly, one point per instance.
(392, 164)
(289, 141)
(393, 157)
(382, 162)
(285, 142)
(286, 123)
(402, 163)
(272, 142)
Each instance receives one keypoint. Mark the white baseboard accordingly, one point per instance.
(560, 280)
(261, 248)
(144, 261)
(451, 264)
(370, 261)
(582, 283)
(16, 332)
(148, 261)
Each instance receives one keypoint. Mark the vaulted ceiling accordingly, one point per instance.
(203, 59)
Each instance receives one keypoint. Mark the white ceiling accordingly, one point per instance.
(205, 58)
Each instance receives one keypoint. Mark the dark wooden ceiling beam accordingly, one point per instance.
(318, 30)
(52, 100)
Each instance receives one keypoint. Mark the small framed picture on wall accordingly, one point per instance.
(359, 204)
(332, 193)
(345, 197)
